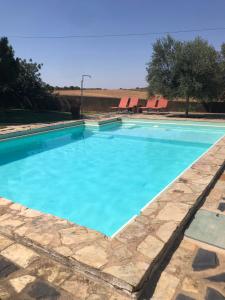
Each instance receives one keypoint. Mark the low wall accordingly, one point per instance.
(89, 104)
(103, 104)
(66, 103)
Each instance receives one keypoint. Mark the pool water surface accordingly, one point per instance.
(100, 177)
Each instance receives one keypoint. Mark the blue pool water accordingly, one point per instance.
(100, 177)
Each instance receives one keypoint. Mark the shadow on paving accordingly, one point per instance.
(19, 116)
(151, 283)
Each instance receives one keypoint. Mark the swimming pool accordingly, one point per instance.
(100, 177)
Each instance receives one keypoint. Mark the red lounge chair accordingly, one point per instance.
(163, 103)
(151, 104)
(133, 102)
(132, 107)
(123, 104)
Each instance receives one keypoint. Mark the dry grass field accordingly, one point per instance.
(106, 93)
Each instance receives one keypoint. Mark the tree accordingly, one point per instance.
(222, 57)
(29, 87)
(9, 68)
(20, 80)
(185, 69)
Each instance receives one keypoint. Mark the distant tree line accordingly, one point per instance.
(71, 87)
(187, 69)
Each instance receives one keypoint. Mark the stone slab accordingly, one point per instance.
(217, 278)
(212, 294)
(6, 268)
(183, 297)
(20, 255)
(208, 227)
(21, 282)
(221, 206)
(204, 260)
(41, 290)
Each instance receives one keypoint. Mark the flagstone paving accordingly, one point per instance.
(208, 227)
(26, 274)
(196, 270)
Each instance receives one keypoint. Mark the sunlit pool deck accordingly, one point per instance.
(128, 260)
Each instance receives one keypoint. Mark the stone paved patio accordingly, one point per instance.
(129, 260)
(182, 277)
(26, 274)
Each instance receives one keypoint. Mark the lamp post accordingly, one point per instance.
(82, 90)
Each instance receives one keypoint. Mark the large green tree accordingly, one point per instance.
(20, 80)
(29, 87)
(9, 68)
(185, 69)
(222, 57)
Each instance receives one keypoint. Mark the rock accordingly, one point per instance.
(166, 230)
(63, 250)
(189, 285)
(20, 283)
(76, 288)
(173, 212)
(7, 267)
(31, 213)
(217, 278)
(212, 294)
(11, 223)
(166, 287)
(204, 260)
(131, 272)
(41, 290)
(43, 239)
(20, 255)
(181, 188)
(150, 247)
(4, 202)
(4, 242)
(4, 294)
(188, 245)
(17, 206)
(117, 297)
(74, 235)
(92, 255)
(96, 297)
(134, 231)
(221, 206)
(53, 273)
(183, 297)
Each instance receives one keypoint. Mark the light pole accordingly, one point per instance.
(82, 90)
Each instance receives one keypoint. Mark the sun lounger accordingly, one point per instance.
(133, 102)
(163, 103)
(123, 104)
(154, 104)
(151, 104)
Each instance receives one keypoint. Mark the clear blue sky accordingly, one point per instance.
(113, 62)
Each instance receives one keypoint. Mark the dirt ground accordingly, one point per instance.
(106, 93)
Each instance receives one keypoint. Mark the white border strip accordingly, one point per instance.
(91, 125)
(123, 226)
(171, 123)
